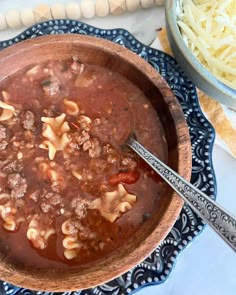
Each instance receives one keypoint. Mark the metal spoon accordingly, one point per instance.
(217, 217)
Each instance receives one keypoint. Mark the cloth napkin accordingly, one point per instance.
(221, 117)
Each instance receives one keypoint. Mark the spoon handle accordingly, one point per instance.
(212, 213)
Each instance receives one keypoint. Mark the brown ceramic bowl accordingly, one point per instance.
(116, 58)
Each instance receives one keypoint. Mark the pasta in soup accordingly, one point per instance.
(70, 191)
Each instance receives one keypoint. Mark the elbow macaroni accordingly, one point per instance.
(72, 107)
(70, 254)
(7, 111)
(8, 214)
(70, 241)
(37, 234)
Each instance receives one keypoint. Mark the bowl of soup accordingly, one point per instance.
(77, 206)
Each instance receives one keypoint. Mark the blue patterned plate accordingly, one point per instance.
(157, 267)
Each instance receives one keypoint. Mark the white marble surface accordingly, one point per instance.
(142, 23)
(208, 266)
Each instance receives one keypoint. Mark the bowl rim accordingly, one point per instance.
(171, 21)
(183, 150)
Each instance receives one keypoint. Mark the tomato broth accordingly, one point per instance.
(70, 190)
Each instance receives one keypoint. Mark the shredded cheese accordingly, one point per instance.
(208, 28)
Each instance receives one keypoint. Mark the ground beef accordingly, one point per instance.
(95, 149)
(3, 135)
(28, 121)
(97, 122)
(108, 150)
(55, 199)
(48, 195)
(17, 184)
(50, 200)
(84, 122)
(14, 180)
(3, 145)
(85, 233)
(72, 147)
(112, 159)
(35, 196)
(82, 137)
(80, 207)
(87, 145)
(4, 162)
(10, 167)
(85, 175)
(45, 207)
(51, 86)
(129, 163)
(56, 187)
(81, 211)
(3, 132)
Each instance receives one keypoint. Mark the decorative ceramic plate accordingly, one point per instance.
(157, 267)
